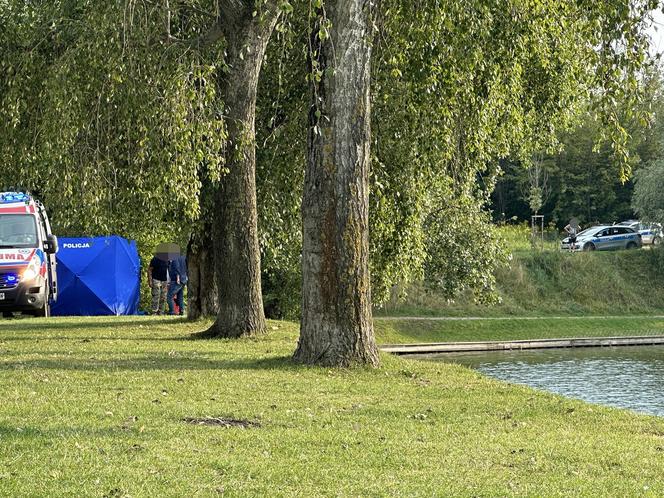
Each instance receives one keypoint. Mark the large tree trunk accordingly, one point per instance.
(336, 327)
(240, 310)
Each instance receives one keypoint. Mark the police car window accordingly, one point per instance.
(18, 230)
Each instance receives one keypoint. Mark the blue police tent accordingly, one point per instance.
(97, 276)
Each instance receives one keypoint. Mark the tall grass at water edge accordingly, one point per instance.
(554, 282)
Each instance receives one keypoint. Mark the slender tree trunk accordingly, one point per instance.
(336, 327)
(202, 287)
(238, 275)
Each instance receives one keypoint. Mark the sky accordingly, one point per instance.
(656, 32)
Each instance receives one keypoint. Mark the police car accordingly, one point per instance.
(651, 233)
(28, 280)
(604, 238)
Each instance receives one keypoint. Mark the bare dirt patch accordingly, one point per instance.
(221, 422)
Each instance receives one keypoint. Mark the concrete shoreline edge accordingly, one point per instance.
(479, 346)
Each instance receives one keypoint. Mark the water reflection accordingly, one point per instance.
(625, 377)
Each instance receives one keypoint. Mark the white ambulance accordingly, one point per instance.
(28, 282)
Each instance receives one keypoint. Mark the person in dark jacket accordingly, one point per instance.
(158, 282)
(179, 278)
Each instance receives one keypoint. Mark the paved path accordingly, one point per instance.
(580, 342)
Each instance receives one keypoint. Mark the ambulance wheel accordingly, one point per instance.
(656, 241)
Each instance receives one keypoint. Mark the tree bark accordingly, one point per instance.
(201, 288)
(238, 275)
(336, 326)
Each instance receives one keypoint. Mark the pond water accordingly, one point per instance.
(625, 377)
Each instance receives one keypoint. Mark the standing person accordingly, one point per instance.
(158, 281)
(572, 230)
(179, 278)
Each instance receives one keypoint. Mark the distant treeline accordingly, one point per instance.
(583, 179)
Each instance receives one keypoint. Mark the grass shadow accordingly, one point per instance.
(154, 363)
(75, 432)
(90, 323)
(182, 337)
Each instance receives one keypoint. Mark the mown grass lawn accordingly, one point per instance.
(94, 407)
(403, 330)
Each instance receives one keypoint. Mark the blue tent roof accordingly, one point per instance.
(97, 276)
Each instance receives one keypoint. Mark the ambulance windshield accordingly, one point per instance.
(17, 230)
